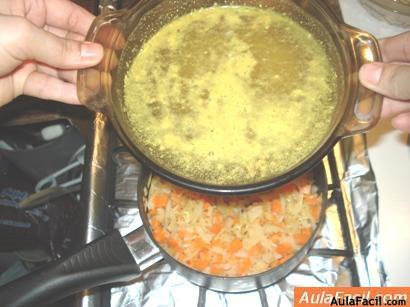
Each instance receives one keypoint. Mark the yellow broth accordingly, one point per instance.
(231, 95)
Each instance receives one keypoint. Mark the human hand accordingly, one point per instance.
(392, 79)
(41, 49)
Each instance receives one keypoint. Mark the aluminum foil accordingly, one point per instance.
(345, 254)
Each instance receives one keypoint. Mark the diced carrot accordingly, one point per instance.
(199, 264)
(255, 250)
(236, 220)
(216, 270)
(199, 244)
(182, 233)
(218, 243)
(205, 255)
(276, 206)
(217, 259)
(181, 256)
(206, 205)
(155, 224)
(160, 200)
(216, 228)
(244, 266)
(218, 218)
(311, 199)
(284, 249)
(159, 235)
(235, 246)
(172, 242)
(302, 236)
(314, 205)
(179, 252)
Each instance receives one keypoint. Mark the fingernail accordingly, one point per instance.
(91, 51)
(372, 73)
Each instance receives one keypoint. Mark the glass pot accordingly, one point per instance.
(123, 32)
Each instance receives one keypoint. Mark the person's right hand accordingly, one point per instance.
(392, 79)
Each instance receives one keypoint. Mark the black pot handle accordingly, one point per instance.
(103, 261)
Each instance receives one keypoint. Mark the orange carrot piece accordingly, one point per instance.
(276, 206)
(216, 228)
(303, 236)
(284, 249)
(182, 233)
(235, 246)
(311, 199)
(255, 250)
(199, 244)
(172, 242)
(205, 256)
(218, 243)
(218, 218)
(206, 205)
(159, 235)
(160, 200)
(155, 224)
(217, 259)
(244, 266)
(236, 220)
(179, 252)
(199, 264)
(314, 205)
(216, 270)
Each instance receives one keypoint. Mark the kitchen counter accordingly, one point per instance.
(390, 157)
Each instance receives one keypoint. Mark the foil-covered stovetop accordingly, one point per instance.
(345, 254)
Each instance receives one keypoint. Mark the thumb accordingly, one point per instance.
(391, 80)
(33, 43)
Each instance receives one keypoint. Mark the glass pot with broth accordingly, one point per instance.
(230, 96)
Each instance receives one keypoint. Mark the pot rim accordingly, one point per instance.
(256, 281)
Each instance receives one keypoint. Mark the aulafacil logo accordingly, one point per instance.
(352, 296)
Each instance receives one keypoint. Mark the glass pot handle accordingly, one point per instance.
(94, 83)
(367, 108)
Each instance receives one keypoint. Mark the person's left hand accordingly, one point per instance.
(41, 48)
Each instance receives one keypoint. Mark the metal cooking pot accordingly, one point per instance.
(114, 258)
(123, 33)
